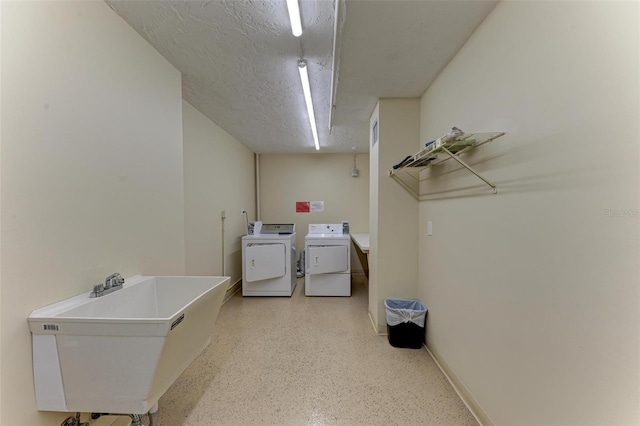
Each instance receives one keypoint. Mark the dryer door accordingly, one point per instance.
(264, 261)
(327, 259)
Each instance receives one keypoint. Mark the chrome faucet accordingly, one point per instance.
(113, 280)
(112, 283)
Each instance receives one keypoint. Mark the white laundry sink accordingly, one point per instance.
(120, 352)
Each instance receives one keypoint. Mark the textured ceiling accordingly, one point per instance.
(238, 61)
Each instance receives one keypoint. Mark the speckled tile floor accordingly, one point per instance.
(308, 361)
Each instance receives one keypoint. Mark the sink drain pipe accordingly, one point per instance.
(136, 419)
(73, 421)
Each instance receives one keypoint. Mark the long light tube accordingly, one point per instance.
(304, 77)
(294, 17)
(335, 56)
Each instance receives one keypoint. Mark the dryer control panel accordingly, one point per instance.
(278, 228)
(329, 228)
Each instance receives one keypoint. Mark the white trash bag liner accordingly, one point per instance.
(404, 310)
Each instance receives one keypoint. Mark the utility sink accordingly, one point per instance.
(120, 352)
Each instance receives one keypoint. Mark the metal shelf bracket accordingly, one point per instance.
(407, 174)
(468, 167)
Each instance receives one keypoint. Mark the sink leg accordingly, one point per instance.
(153, 418)
(136, 420)
(153, 415)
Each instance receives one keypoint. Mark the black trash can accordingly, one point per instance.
(405, 322)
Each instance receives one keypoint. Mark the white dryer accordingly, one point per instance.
(269, 261)
(328, 260)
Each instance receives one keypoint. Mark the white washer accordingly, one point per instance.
(328, 260)
(269, 261)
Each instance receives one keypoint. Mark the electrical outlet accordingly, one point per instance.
(243, 211)
(223, 214)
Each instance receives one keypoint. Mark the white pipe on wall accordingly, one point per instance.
(223, 217)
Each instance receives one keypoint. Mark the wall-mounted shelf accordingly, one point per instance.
(407, 173)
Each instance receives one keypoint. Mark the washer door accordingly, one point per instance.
(327, 259)
(264, 262)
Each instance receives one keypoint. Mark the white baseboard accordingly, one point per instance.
(460, 388)
(455, 382)
(233, 289)
(373, 324)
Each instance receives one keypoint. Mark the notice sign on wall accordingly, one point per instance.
(317, 206)
(309, 206)
(303, 207)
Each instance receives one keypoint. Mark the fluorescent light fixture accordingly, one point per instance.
(304, 77)
(294, 17)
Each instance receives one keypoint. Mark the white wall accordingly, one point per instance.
(285, 179)
(374, 177)
(1, 135)
(533, 293)
(393, 253)
(218, 176)
(92, 169)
